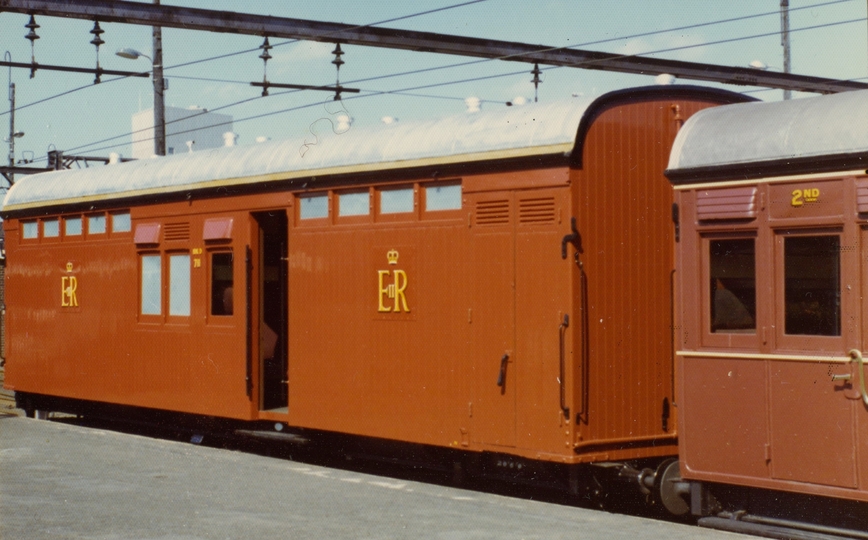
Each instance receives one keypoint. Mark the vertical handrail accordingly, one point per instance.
(248, 264)
(856, 356)
(562, 330)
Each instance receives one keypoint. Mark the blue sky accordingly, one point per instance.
(81, 119)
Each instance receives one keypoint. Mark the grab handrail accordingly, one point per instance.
(856, 356)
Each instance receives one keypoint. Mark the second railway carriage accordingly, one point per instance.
(497, 283)
(773, 283)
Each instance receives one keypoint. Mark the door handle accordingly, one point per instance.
(856, 356)
(501, 378)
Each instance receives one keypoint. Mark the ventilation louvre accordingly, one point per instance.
(862, 197)
(492, 212)
(538, 210)
(732, 203)
(176, 231)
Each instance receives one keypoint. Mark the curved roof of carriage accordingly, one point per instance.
(751, 140)
(506, 133)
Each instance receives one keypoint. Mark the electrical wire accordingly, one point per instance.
(473, 79)
(405, 91)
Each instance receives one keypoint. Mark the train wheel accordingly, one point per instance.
(669, 489)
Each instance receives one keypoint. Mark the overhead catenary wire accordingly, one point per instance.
(453, 65)
(473, 79)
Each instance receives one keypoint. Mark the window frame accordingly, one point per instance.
(811, 342)
(170, 285)
(221, 318)
(440, 213)
(747, 340)
(160, 284)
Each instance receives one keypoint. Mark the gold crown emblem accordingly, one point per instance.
(392, 256)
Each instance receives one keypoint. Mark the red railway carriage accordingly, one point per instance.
(771, 277)
(494, 282)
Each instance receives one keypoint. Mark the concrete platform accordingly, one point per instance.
(64, 481)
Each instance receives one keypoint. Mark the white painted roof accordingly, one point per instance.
(517, 131)
(767, 131)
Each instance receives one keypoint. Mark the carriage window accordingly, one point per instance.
(314, 206)
(733, 285)
(179, 285)
(443, 197)
(121, 222)
(812, 285)
(151, 285)
(72, 226)
(221, 284)
(31, 229)
(50, 228)
(96, 224)
(396, 201)
(354, 204)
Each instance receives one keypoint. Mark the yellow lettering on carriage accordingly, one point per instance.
(68, 286)
(392, 285)
(807, 195)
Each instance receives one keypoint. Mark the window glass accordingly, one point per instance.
(221, 284)
(151, 285)
(354, 204)
(121, 222)
(314, 206)
(50, 228)
(72, 226)
(96, 224)
(812, 285)
(179, 285)
(442, 198)
(30, 229)
(396, 201)
(733, 285)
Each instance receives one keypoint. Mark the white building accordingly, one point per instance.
(195, 124)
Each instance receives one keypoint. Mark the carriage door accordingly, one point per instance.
(813, 402)
(492, 318)
(268, 309)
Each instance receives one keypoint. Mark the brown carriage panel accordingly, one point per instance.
(724, 420)
(806, 199)
(623, 207)
(543, 297)
(356, 360)
(812, 435)
(493, 317)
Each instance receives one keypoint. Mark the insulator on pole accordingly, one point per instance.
(266, 46)
(32, 36)
(338, 63)
(536, 80)
(96, 42)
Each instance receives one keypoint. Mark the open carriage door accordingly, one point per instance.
(267, 309)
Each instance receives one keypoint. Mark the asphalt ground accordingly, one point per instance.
(59, 480)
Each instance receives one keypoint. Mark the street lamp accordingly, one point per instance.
(159, 105)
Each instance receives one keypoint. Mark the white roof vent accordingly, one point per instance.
(229, 138)
(344, 123)
(664, 79)
(474, 104)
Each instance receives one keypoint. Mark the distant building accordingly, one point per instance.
(206, 129)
